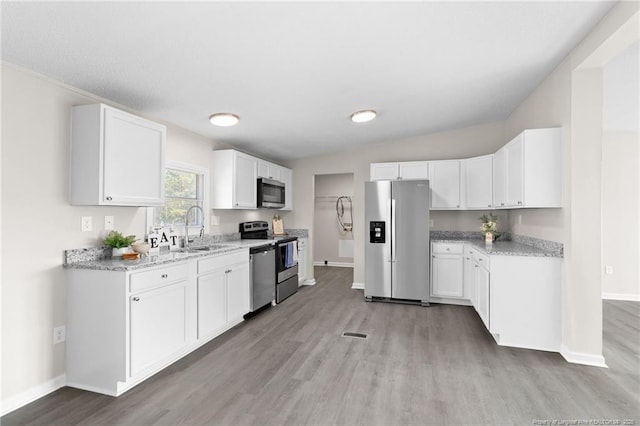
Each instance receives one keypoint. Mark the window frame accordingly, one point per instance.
(188, 168)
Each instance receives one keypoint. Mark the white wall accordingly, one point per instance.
(621, 176)
(328, 232)
(38, 223)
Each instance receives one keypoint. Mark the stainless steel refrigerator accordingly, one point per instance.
(397, 245)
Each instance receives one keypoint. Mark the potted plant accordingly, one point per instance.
(118, 242)
(489, 227)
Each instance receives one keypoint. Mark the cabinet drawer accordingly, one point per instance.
(447, 248)
(144, 280)
(480, 258)
(216, 262)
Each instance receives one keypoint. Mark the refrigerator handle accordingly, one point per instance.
(393, 231)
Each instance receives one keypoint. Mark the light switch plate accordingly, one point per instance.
(59, 334)
(108, 223)
(87, 223)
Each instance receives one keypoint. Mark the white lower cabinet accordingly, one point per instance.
(158, 325)
(482, 299)
(302, 260)
(447, 279)
(212, 300)
(518, 298)
(124, 326)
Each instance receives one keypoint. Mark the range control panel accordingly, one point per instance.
(377, 232)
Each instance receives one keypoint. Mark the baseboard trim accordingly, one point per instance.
(337, 264)
(621, 296)
(357, 286)
(30, 395)
(309, 281)
(582, 358)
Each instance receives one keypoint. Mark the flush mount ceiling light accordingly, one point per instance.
(224, 119)
(363, 116)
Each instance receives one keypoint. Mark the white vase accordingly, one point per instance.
(118, 252)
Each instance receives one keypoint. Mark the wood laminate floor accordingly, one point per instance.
(290, 366)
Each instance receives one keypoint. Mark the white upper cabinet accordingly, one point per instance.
(499, 178)
(269, 170)
(478, 182)
(528, 170)
(116, 158)
(234, 177)
(411, 170)
(233, 180)
(444, 179)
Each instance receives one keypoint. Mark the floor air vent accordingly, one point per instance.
(361, 336)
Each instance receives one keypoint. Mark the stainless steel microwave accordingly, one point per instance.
(270, 193)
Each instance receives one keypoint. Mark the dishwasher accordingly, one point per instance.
(262, 263)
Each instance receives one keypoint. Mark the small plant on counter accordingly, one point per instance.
(490, 226)
(116, 240)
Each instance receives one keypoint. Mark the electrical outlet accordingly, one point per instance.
(59, 334)
(87, 223)
(608, 269)
(430, 223)
(215, 220)
(108, 223)
(519, 219)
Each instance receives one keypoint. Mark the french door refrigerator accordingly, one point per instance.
(397, 245)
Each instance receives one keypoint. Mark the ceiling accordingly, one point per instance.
(295, 71)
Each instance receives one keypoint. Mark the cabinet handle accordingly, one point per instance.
(488, 205)
(520, 202)
(164, 276)
(136, 299)
(480, 259)
(458, 206)
(109, 198)
(448, 249)
(475, 266)
(502, 204)
(228, 271)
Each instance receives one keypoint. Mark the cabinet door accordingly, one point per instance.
(286, 177)
(444, 177)
(269, 170)
(447, 276)
(212, 301)
(482, 294)
(302, 259)
(414, 170)
(133, 164)
(470, 290)
(384, 171)
(245, 181)
(478, 182)
(499, 179)
(238, 292)
(515, 172)
(158, 325)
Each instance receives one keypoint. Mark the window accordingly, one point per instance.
(184, 187)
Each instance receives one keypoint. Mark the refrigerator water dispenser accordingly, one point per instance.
(376, 232)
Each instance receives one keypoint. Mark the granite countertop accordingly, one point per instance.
(506, 248)
(508, 245)
(98, 258)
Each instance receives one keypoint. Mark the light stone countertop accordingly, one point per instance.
(504, 248)
(96, 262)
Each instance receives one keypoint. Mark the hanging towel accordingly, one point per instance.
(289, 262)
(295, 251)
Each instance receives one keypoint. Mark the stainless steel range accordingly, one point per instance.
(285, 266)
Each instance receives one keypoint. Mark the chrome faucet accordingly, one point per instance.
(186, 225)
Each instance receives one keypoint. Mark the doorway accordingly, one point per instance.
(333, 242)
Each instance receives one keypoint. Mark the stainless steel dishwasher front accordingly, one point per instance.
(263, 275)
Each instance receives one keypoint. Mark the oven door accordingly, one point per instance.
(270, 193)
(286, 259)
